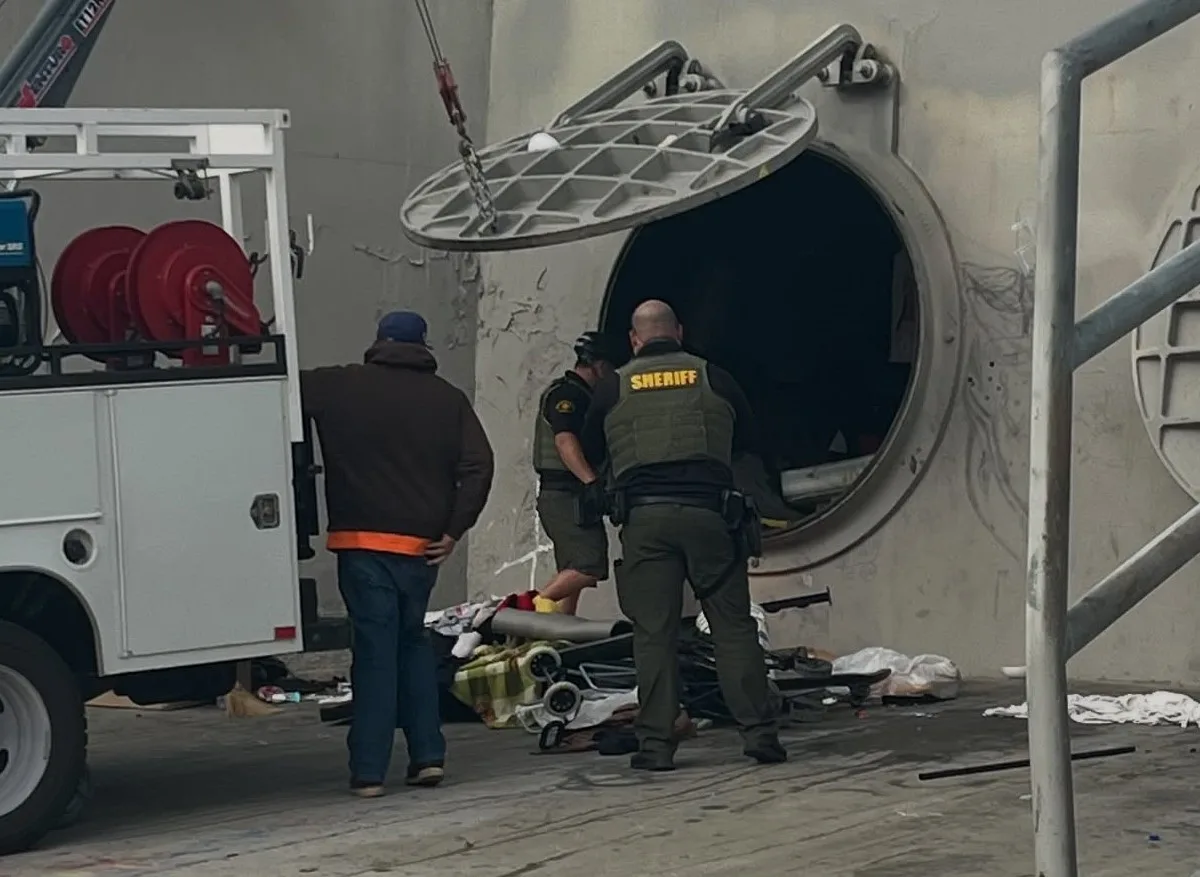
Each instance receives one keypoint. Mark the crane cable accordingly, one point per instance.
(448, 91)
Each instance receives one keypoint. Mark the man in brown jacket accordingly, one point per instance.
(408, 470)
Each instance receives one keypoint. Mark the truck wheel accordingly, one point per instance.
(79, 801)
(43, 738)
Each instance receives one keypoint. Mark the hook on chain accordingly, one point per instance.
(448, 92)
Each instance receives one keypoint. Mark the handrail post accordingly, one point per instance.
(1054, 353)
(1050, 470)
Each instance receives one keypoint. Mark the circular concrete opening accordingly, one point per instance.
(809, 292)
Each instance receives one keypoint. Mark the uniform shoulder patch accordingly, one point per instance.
(564, 406)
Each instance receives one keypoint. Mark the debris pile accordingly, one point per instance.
(516, 663)
(263, 686)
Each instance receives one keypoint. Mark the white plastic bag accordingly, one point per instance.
(760, 618)
(924, 675)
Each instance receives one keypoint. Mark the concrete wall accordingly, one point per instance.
(367, 127)
(946, 573)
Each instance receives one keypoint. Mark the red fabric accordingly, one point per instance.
(523, 601)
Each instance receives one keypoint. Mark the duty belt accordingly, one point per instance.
(711, 503)
(741, 519)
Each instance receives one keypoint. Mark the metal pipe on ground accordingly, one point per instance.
(555, 626)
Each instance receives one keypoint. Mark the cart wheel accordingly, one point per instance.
(545, 663)
(551, 736)
(562, 700)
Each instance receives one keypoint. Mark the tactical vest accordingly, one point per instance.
(545, 453)
(667, 412)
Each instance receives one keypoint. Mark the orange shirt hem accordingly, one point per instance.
(388, 543)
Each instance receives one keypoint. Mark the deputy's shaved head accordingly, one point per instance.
(654, 319)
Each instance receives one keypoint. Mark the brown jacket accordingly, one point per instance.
(403, 450)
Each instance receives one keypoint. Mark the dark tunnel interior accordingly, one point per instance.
(800, 286)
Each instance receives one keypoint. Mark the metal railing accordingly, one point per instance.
(1060, 345)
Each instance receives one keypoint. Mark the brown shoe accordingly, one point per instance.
(426, 777)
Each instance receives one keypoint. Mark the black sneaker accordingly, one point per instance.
(659, 762)
(767, 751)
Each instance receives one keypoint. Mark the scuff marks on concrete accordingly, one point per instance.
(527, 324)
(520, 320)
(1000, 306)
(464, 279)
(468, 289)
(378, 253)
(518, 335)
(541, 544)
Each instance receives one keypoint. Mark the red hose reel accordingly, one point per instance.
(186, 280)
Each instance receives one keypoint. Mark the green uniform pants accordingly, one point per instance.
(662, 546)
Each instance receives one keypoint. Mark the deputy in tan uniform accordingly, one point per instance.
(570, 501)
(670, 424)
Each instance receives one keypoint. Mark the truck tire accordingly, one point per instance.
(79, 802)
(43, 738)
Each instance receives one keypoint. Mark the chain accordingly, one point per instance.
(448, 91)
(479, 187)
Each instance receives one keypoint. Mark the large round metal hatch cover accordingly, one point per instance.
(1166, 361)
(612, 170)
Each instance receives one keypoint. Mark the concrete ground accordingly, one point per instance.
(194, 793)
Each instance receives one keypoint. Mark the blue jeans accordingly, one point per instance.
(393, 674)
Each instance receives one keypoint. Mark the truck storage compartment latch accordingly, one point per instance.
(264, 511)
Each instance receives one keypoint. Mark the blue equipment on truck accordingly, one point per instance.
(41, 71)
(20, 290)
(16, 235)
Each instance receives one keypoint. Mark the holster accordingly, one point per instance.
(618, 507)
(743, 521)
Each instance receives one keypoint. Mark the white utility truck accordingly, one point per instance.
(158, 487)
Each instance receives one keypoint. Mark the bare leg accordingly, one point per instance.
(566, 587)
(570, 605)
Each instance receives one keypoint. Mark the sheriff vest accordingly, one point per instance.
(686, 377)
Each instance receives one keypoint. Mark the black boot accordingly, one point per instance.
(653, 761)
(767, 751)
